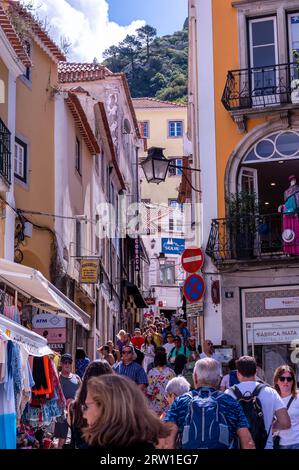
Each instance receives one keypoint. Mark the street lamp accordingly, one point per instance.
(156, 165)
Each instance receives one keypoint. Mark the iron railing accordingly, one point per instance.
(5, 153)
(259, 87)
(253, 237)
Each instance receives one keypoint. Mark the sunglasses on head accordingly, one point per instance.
(283, 378)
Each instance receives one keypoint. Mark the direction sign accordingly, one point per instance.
(192, 259)
(194, 288)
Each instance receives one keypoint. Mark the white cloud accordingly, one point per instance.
(85, 23)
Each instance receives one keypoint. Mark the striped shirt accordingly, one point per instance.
(133, 371)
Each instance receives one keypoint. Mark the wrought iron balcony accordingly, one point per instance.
(259, 87)
(5, 153)
(251, 238)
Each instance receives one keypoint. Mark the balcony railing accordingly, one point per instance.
(251, 237)
(259, 87)
(5, 153)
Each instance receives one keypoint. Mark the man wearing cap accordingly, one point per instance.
(69, 383)
(131, 369)
(137, 339)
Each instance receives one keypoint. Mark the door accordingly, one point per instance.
(263, 53)
(248, 180)
(293, 25)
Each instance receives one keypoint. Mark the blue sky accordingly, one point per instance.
(166, 16)
(91, 26)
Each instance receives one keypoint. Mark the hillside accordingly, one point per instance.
(155, 66)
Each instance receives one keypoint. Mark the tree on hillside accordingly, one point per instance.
(154, 66)
(146, 35)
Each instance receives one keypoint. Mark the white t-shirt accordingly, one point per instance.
(168, 347)
(270, 401)
(291, 436)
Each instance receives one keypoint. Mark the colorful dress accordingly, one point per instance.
(158, 378)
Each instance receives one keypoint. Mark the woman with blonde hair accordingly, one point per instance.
(118, 415)
(285, 384)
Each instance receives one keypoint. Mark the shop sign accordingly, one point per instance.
(281, 302)
(173, 246)
(281, 333)
(89, 269)
(47, 320)
(194, 309)
(150, 300)
(137, 254)
(56, 346)
(52, 335)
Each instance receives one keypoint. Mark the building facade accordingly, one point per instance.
(163, 124)
(246, 141)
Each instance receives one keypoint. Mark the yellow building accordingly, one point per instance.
(163, 124)
(244, 123)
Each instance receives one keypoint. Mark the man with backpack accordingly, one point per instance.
(207, 418)
(261, 403)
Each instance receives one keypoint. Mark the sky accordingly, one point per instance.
(91, 26)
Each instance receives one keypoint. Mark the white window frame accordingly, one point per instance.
(162, 273)
(176, 171)
(20, 160)
(291, 57)
(175, 122)
(256, 101)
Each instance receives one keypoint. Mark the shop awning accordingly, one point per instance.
(34, 344)
(134, 291)
(42, 294)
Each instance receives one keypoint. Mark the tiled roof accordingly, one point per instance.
(154, 103)
(69, 72)
(82, 123)
(13, 38)
(38, 31)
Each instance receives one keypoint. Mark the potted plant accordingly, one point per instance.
(243, 209)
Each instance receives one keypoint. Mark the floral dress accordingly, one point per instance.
(158, 378)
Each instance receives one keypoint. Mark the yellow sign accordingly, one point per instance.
(89, 271)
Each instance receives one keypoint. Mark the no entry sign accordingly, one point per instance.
(194, 288)
(192, 259)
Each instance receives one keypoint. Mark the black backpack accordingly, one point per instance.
(253, 410)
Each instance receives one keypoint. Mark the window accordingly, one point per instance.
(78, 238)
(173, 171)
(78, 156)
(167, 273)
(175, 215)
(28, 73)
(20, 160)
(145, 129)
(175, 129)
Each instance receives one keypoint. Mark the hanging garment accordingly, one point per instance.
(3, 347)
(8, 422)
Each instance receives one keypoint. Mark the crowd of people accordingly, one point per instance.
(159, 389)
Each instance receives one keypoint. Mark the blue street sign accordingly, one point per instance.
(194, 288)
(173, 246)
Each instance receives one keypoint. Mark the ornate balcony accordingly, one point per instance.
(250, 238)
(5, 153)
(259, 90)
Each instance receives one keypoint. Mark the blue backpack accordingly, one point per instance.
(206, 426)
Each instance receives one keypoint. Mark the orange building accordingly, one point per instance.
(244, 128)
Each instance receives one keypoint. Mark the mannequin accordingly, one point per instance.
(290, 221)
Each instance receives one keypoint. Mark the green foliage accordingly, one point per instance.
(242, 209)
(154, 66)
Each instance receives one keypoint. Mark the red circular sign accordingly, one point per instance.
(192, 259)
(194, 288)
